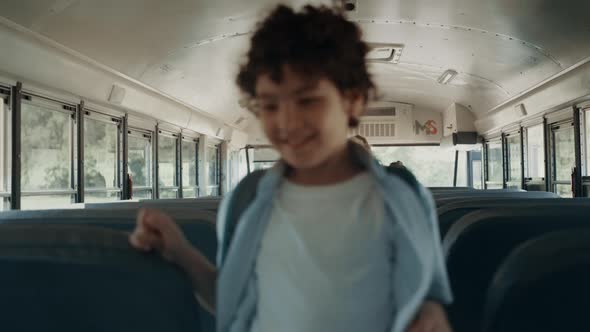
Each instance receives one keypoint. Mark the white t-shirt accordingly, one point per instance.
(325, 263)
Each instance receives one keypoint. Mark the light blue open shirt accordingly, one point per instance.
(419, 272)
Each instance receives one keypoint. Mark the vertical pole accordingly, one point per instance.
(80, 151)
(156, 173)
(179, 179)
(577, 180)
(248, 158)
(504, 161)
(15, 191)
(485, 151)
(456, 167)
(547, 151)
(126, 190)
(197, 181)
(522, 183)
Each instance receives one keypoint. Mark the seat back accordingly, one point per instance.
(209, 204)
(449, 213)
(476, 245)
(72, 278)
(446, 198)
(198, 227)
(542, 286)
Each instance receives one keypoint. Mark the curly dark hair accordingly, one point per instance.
(316, 41)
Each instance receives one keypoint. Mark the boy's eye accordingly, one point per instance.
(308, 101)
(269, 107)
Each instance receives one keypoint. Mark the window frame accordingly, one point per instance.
(217, 186)
(553, 127)
(68, 109)
(175, 188)
(487, 182)
(148, 135)
(5, 156)
(92, 115)
(195, 144)
(509, 182)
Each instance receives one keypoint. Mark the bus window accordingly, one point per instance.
(189, 169)
(495, 176)
(140, 163)
(46, 155)
(213, 170)
(587, 139)
(4, 153)
(535, 158)
(563, 158)
(236, 173)
(263, 158)
(101, 158)
(476, 175)
(167, 146)
(432, 166)
(513, 147)
(462, 169)
(535, 152)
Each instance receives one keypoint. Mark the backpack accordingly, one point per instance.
(245, 192)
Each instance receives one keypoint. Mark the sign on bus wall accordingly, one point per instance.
(426, 126)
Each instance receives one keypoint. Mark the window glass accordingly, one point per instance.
(140, 164)
(514, 160)
(4, 155)
(587, 139)
(535, 152)
(565, 158)
(46, 149)
(168, 193)
(189, 169)
(46, 202)
(462, 169)
(432, 166)
(213, 165)
(477, 167)
(100, 160)
(101, 196)
(494, 151)
(167, 161)
(142, 194)
(263, 165)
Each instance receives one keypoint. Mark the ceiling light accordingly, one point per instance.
(447, 76)
(384, 53)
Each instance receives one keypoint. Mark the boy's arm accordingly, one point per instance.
(430, 318)
(203, 276)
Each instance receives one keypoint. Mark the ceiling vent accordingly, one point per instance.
(384, 53)
(372, 130)
(389, 112)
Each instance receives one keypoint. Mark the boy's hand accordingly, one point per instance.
(430, 318)
(156, 230)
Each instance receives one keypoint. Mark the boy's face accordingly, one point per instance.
(305, 120)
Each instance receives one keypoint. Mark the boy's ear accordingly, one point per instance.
(356, 104)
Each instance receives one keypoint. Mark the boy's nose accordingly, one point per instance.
(289, 119)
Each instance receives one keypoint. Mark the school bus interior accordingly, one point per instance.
(109, 106)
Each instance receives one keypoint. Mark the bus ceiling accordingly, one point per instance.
(488, 57)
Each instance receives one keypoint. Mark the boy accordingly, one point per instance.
(331, 242)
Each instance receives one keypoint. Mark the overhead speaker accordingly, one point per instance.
(117, 94)
(520, 110)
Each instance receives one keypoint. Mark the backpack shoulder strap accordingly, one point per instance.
(241, 198)
(406, 176)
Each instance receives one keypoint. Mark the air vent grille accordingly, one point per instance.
(375, 130)
(380, 112)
